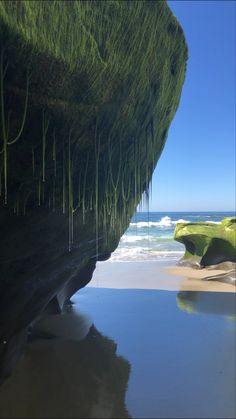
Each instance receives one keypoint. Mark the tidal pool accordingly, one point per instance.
(180, 346)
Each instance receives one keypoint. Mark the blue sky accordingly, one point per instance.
(196, 171)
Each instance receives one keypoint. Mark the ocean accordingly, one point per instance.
(150, 236)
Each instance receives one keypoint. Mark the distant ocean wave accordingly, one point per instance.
(164, 222)
(133, 239)
(143, 254)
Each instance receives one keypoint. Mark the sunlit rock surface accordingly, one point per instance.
(208, 243)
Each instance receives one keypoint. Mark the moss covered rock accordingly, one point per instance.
(207, 243)
(88, 90)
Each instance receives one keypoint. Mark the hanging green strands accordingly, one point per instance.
(5, 121)
(44, 139)
(97, 155)
(84, 188)
(63, 181)
(54, 153)
(70, 196)
(114, 179)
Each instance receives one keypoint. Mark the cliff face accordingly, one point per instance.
(88, 91)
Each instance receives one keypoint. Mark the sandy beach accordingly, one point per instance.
(157, 276)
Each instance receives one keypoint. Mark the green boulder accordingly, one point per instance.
(207, 243)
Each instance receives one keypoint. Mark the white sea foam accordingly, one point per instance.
(137, 253)
(132, 239)
(164, 222)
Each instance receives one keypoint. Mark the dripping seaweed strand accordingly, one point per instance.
(84, 188)
(54, 154)
(6, 126)
(45, 127)
(70, 194)
(97, 156)
(24, 113)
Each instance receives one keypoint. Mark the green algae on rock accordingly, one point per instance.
(97, 97)
(207, 243)
(88, 91)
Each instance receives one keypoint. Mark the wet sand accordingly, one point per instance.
(156, 276)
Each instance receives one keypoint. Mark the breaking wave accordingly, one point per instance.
(139, 253)
(164, 222)
(133, 239)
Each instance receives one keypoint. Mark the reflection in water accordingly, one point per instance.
(207, 302)
(182, 365)
(73, 371)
